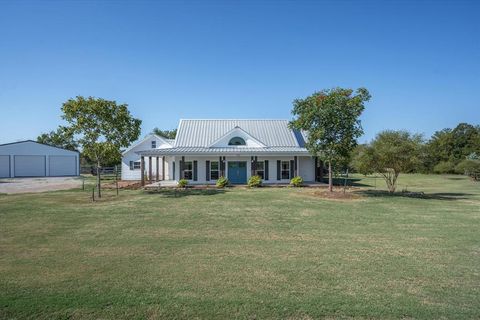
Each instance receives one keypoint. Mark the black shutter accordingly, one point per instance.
(316, 169)
(207, 170)
(265, 170)
(279, 168)
(182, 165)
(173, 167)
(292, 165)
(131, 165)
(195, 166)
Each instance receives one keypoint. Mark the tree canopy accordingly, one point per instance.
(169, 134)
(448, 147)
(102, 127)
(390, 153)
(331, 119)
(61, 138)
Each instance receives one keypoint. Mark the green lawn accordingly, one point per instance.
(247, 254)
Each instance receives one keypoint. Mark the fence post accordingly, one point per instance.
(93, 194)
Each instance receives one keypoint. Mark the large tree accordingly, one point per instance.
(390, 153)
(331, 119)
(169, 134)
(62, 138)
(102, 128)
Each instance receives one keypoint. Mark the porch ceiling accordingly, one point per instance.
(224, 151)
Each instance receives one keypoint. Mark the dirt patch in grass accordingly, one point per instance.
(338, 194)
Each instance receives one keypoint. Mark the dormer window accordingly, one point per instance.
(154, 144)
(236, 141)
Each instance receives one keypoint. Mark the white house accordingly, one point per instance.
(205, 150)
(32, 159)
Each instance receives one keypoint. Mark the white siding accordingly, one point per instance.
(272, 168)
(4, 166)
(306, 166)
(131, 155)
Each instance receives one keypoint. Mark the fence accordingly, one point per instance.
(104, 171)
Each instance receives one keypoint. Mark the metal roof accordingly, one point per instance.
(202, 133)
(45, 144)
(229, 150)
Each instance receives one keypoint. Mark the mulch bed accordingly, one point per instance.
(124, 184)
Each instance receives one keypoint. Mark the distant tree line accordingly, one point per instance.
(447, 151)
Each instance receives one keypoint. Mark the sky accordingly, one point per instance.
(170, 60)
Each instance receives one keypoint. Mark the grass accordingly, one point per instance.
(240, 253)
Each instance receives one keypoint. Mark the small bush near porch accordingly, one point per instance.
(265, 253)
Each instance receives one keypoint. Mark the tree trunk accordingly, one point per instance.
(330, 176)
(98, 180)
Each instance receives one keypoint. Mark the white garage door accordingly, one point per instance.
(29, 166)
(62, 166)
(4, 166)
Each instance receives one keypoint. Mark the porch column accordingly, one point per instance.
(142, 170)
(163, 168)
(220, 164)
(252, 166)
(150, 169)
(295, 170)
(157, 173)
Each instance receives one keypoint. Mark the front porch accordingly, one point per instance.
(203, 170)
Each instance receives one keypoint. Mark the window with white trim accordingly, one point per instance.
(135, 165)
(260, 169)
(214, 170)
(188, 170)
(154, 144)
(285, 170)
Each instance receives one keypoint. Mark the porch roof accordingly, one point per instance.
(225, 150)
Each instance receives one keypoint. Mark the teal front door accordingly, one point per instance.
(237, 172)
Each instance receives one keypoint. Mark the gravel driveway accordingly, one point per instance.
(24, 185)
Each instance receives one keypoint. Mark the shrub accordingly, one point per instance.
(182, 183)
(296, 181)
(444, 167)
(469, 167)
(255, 181)
(222, 182)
